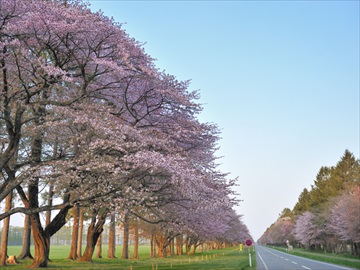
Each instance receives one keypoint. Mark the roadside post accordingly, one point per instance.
(249, 243)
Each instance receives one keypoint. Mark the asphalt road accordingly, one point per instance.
(270, 259)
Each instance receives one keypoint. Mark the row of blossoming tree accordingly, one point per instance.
(88, 123)
(326, 217)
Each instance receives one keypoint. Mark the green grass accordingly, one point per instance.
(229, 258)
(339, 259)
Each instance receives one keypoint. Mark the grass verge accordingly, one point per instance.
(225, 259)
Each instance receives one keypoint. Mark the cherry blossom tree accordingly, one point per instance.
(311, 230)
(345, 218)
(88, 116)
(279, 232)
(51, 61)
(304, 228)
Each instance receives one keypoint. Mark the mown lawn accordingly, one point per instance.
(339, 259)
(229, 258)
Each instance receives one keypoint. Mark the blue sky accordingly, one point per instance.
(280, 79)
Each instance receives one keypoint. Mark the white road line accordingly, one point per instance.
(294, 262)
(262, 261)
(302, 258)
(320, 262)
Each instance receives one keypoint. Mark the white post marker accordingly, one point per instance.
(249, 243)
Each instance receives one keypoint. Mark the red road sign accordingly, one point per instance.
(248, 242)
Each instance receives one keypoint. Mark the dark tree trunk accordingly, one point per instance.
(42, 237)
(25, 251)
(12, 126)
(5, 231)
(41, 240)
(112, 238)
(345, 247)
(172, 247)
(94, 231)
(74, 234)
(50, 203)
(125, 249)
(355, 250)
(51, 189)
(51, 193)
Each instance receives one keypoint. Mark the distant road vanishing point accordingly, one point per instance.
(270, 259)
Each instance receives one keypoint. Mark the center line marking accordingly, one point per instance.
(306, 267)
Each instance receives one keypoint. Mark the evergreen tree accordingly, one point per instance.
(303, 202)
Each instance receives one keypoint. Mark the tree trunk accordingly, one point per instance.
(194, 248)
(42, 237)
(136, 240)
(50, 202)
(187, 246)
(25, 251)
(90, 243)
(125, 249)
(41, 243)
(51, 189)
(160, 242)
(355, 248)
(112, 238)
(172, 247)
(80, 234)
(152, 246)
(179, 245)
(5, 231)
(74, 234)
(98, 248)
(345, 250)
(94, 231)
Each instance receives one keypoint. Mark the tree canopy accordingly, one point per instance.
(87, 116)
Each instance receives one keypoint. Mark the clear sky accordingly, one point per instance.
(280, 79)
